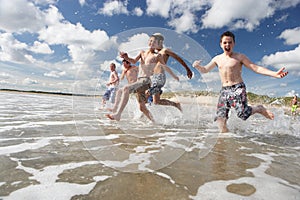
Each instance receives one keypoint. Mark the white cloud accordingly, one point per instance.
(158, 7)
(4, 75)
(82, 2)
(81, 43)
(184, 23)
(236, 14)
(291, 93)
(20, 16)
(289, 59)
(291, 36)
(42, 48)
(55, 74)
(210, 77)
(114, 7)
(11, 49)
(135, 44)
(138, 11)
(29, 81)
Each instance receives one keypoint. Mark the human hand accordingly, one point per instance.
(189, 73)
(281, 73)
(123, 55)
(196, 63)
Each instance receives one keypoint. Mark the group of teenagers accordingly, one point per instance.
(149, 77)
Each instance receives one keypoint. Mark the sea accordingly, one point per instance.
(63, 147)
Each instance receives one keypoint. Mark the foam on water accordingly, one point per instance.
(267, 187)
(137, 146)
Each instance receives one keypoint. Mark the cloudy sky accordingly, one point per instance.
(67, 45)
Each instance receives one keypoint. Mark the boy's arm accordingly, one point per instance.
(262, 70)
(131, 60)
(123, 74)
(168, 69)
(206, 68)
(176, 57)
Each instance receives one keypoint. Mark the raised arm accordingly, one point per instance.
(262, 70)
(131, 60)
(123, 74)
(206, 68)
(189, 73)
(168, 69)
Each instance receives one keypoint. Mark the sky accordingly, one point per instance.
(67, 45)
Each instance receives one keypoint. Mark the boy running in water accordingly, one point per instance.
(148, 60)
(131, 73)
(233, 92)
(112, 85)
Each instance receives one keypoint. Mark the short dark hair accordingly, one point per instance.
(126, 61)
(229, 34)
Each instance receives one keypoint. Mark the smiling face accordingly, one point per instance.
(227, 44)
(153, 43)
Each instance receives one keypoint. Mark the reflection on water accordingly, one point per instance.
(52, 148)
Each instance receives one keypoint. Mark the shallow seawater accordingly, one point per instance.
(63, 147)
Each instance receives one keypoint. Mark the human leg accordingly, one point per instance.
(113, 94)
(166, 102)
(117, 101)
(144, 110)
(122, 105)
(130, 88)
(223, 108)
(222, 124)
(106, 96)
(263, 111)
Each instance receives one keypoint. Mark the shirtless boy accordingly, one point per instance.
(112, 85)
(131, 73)
(148, 59)
(233, 92)
(166, 53)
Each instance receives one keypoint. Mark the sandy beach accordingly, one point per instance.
(61, 147)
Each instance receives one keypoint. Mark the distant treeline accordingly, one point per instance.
(252, 98)
(43, 92)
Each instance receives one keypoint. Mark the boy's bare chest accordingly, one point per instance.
(150, 59)
(229, 63)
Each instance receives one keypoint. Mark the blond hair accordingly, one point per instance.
(159, 37)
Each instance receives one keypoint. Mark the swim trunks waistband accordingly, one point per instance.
(242, 84)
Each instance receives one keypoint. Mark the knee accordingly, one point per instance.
(125, 88)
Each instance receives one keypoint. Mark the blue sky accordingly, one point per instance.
(67, 45)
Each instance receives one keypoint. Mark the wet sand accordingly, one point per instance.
(49, 160)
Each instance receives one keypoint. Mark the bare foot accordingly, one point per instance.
(111, 117)
(263, 111)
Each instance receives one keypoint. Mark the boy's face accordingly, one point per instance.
(126, 64)
(227, 44)
(112, 67)
(153, 43)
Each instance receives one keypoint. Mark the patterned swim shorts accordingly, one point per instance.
(233, 96)
(158, 81)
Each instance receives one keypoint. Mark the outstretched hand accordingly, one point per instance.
(196, 63)
(123, 55)
(281, 73)
(189, 73)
